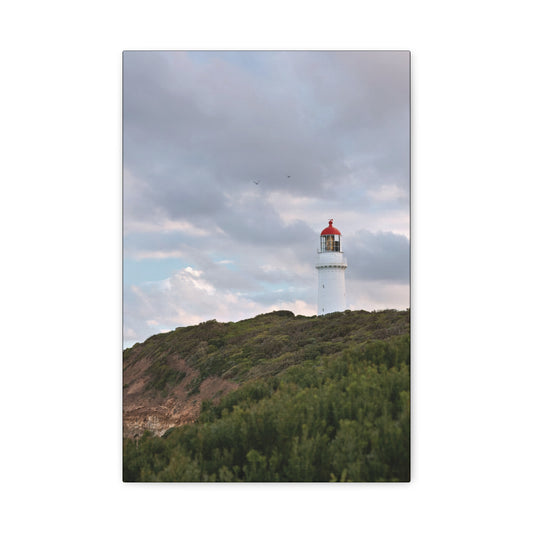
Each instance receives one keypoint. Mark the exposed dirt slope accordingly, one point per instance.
(148, 409)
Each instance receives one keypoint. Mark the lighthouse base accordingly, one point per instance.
(331, 289)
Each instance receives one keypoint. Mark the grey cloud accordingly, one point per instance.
(223, 121)
(367, 95)
(377, 256)
(198, 127)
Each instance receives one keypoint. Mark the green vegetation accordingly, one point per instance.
(320, 399)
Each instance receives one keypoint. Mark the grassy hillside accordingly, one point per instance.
(315, 399)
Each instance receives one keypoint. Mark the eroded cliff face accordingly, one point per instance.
(145, 408)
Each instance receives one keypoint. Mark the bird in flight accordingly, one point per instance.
(256, 182)
(288, 176)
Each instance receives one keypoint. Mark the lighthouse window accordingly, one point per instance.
(330, 243)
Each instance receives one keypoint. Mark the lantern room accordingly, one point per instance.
(330, 239)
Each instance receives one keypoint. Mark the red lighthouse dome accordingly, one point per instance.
(330, 230)
(330, 239)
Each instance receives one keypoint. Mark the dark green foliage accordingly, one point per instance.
(163, 375)
(261, 346)
(321, 399)
(194, 386)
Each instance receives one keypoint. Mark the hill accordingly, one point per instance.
(274, 398)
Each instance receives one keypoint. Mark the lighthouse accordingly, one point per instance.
(331, 265)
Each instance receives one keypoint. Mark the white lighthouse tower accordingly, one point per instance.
(331, 265)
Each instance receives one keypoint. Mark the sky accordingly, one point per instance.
(324, 135)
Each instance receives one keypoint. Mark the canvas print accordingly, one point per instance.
(266, 266)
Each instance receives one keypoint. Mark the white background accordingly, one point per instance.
(60, 210)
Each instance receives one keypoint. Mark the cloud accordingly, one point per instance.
(200, 126)
(376, 295)
(212, 127)
(382, 256)
(187, 298)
